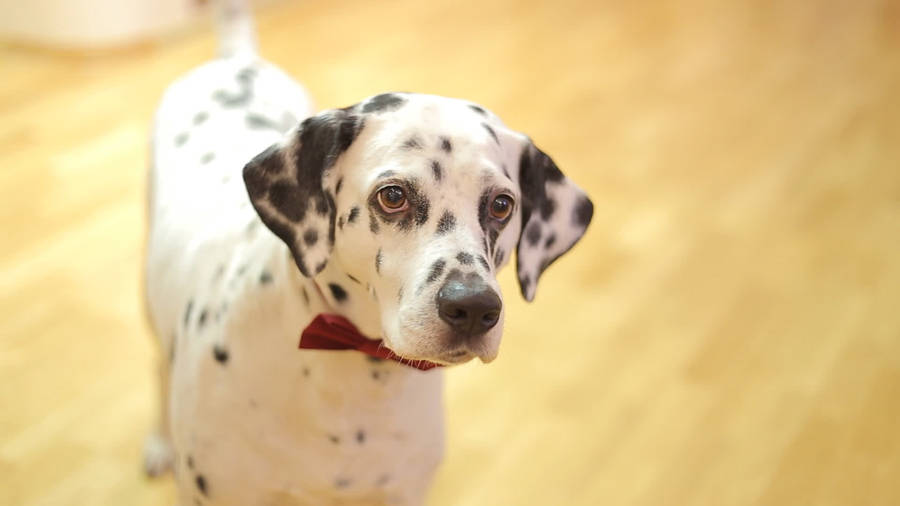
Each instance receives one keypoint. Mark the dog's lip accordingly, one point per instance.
(448, 358)
(457, 357)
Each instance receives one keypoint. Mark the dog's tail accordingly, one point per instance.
(237, 36)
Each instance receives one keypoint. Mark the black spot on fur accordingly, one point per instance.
(200, 117)
(320, 266)
(551, 240)
(353, 279)
(378, 259)
(445, 145)
(478, 109)
(321, 205)
(243, 96)
(548, 206)
(436, 170)
(437, 268)
(341, 483)
(265, 277)
(201, 485)
(491, 131)
(202, 320)
(220, 354)
(483, 208)
(583, 212)
(525, 281)
(338, 185)
(400, 294)
(376, 375)
(484, 263)
(181, 138)
(190, 462)
(187, 312)
(464, 258)
(341, 223)
(310, 236)
(422, 205)
(533, 234)
(412, 143)
(360, 437)
(498, 257)
(354, 214)
(256, 121)
(334, 439)
(446, 223)
(283, 197)
(305, 372)
(338, 292)
(492, 234)
(384, 102)
(373, 223)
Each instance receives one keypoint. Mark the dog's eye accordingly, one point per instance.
(501, 207)
(392, 199)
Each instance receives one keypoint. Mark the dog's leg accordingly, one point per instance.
(158, 451)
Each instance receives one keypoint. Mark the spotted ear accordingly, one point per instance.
(555, 214)
(286, 185)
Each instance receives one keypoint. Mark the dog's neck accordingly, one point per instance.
(331, 291)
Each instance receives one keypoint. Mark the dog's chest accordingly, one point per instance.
(314, 424)
(253, 416)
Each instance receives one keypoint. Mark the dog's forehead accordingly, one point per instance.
(427, 133)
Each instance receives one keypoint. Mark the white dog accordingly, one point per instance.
(394, 213)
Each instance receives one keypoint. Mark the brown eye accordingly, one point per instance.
(392, 199)
(501, 207)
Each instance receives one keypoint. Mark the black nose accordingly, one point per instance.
(468, 305)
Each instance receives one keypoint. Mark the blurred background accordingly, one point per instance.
(727, 333)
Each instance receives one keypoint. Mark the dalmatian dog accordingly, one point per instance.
(395, 213)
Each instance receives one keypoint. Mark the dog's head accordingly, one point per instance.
(421, 199)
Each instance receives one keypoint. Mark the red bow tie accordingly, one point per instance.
(333, 332)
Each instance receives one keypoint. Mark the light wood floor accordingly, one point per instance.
(728, 333)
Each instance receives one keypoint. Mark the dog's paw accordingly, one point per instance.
(158, 455)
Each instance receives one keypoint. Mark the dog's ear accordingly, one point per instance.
(286, 185)
(555, 214)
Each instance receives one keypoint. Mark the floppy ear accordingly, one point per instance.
(555, 214)
(285, 184)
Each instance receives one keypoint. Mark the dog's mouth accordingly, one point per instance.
(456, 357)
(442, 345)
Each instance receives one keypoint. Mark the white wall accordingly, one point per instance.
(84, 24)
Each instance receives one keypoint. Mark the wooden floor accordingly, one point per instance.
(728, 333)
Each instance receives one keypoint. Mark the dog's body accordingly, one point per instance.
(251, 420)
(238, 266)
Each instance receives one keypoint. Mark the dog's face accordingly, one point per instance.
(421, 199)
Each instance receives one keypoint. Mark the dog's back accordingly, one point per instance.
(210, 122)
